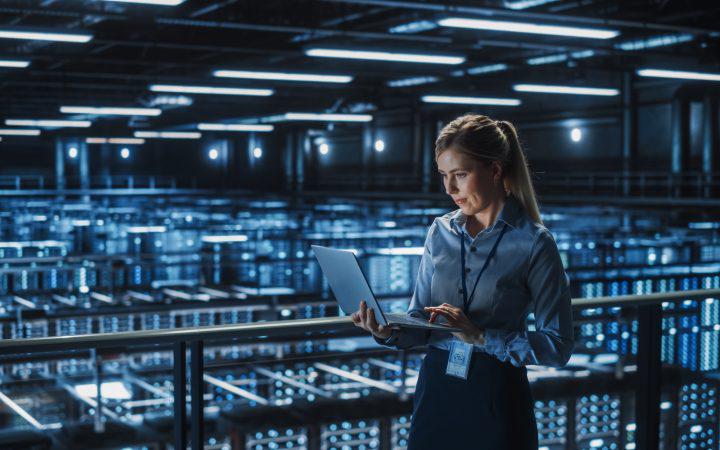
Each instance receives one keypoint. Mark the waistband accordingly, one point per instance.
(479, 358)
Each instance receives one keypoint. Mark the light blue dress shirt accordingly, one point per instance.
(525, 275)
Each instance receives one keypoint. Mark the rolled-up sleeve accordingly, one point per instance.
(409, 337)
(551, 343)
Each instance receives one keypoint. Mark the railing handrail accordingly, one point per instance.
(249, 331)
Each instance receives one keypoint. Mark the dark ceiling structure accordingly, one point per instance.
(136, 45)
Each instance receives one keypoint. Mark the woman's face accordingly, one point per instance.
(471, 184)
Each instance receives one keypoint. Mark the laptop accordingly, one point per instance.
(350, 286)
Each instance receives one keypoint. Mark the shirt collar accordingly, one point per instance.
(512, 210)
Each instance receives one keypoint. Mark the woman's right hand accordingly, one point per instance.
(365, 318)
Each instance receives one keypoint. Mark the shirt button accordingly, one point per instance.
(472, 249)
(467, 270)
(459, 290)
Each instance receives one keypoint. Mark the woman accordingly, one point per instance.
(485, 267)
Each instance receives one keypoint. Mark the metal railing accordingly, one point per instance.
(647, 378)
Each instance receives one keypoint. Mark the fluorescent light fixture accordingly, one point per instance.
(210, 90)
(14, 64)
(150, 2)
(679, 74)
(282, 76)
(257, 152)
(324, 148)
(385, 56)
(147, 229)
(486, 69)
(656, 41)
(126, 141)
(110, 111)
(11, 132)
(525, 4)
(48, 123)
(34, 35)
(413, 27)
(402, 251)
(125, 153)
(523, 27)
(550, 59)
(111, 390)
(412, 81)
(168, 134)
(234, 127)
(223, 239)
(313, 117)
(553, 89)
(470, 100)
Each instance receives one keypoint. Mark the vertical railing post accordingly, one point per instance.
(647, 394)
(99, 421)
(179, 395)
(197, 413)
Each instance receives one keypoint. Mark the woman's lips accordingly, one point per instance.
(460, 201)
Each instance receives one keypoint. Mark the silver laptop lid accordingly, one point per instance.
(347, 281)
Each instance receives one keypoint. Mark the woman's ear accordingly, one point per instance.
(497, 172)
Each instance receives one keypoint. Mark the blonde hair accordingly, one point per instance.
(486, 140)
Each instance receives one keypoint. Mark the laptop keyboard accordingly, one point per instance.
(404, 318)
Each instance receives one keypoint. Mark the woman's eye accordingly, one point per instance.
(461, 175)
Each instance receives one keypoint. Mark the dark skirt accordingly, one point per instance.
(492, 409)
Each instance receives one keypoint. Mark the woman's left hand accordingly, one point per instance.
(456, 318)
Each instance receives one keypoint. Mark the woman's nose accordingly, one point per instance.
(450, 187)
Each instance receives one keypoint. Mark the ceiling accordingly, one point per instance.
(136, 45)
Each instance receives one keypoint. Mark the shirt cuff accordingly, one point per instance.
(494, 341)
(390, 341)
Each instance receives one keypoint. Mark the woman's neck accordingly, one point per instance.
(482, 220)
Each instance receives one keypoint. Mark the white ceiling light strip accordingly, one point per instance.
(531, 28)
(470, 100)
(210, 90)
(679, 74)
(168, 134)
(282, 76)
(110, 111)
(48, 123)
(19, 132)
(234, 127)
(14, 64)
(314, 117)
(31, 35)
(554, 89)
(384, 56)
(150, 2)
(121, 141)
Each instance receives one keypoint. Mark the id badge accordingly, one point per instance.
(459, 359)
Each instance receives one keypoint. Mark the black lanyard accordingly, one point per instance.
(467, 300)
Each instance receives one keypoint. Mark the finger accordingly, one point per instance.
(362, 311)
(433, 316)
(372, 323)
(443, 313)
(450, 307)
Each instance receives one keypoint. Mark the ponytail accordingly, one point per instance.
(517, 173)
